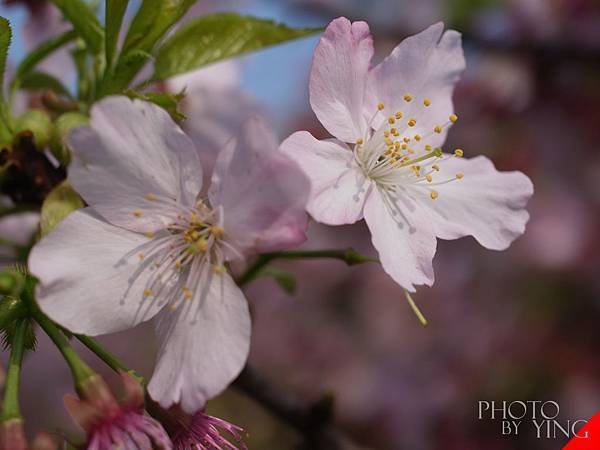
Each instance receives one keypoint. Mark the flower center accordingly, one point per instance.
(185, 255)
(396, 154)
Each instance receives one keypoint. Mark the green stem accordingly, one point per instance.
(11, 408)
(111, 360)
(80, 370)
(349, 256)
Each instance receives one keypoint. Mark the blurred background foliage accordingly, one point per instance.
(516, 325)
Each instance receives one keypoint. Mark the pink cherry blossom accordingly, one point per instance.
(149, 247)
(386, 164)
(109, 424)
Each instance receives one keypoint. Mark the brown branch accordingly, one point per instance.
(314, 421)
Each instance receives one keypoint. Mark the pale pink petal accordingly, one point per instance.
(203, 345)
(424, 66)
(338, 78)
(131, 153)
(485, 203)
(214, 117)
(85, 283)
(403, 235)
(262, 192)
(338, 186)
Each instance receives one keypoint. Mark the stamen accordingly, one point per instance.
(147, 292)
(151, 197)
(434, 195)
(408, 98)
(437, 129)
(137, 213)
(426, 102)
(391, 120)
(458, 153)
(460, 176)
(412, 122)
(398, 115)
(359, 141)
(453, 118)
(380, 106)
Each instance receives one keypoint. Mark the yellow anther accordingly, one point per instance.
(359, 141)
(398, 115)
(434, 195)
(391, 120)
(387, 152)
(427, 102)
(172, 307)
(406, 140)
(412, 122)
(137, 213)
(397, 145)
(386, 134)
(141, 255)
(460, 175)
(436, 167)
(188, 293)
(404, 146)
(428, 147)
(151, 197)
(219, 269)
(415, 168)
(380, 106)
(459, 153)
(453, 118)
(394, 131)
(149, 234)
(429, 178)
(437, 129)
(147, 292)
(388, 141)
(201, 245)
(178, 264)
(408, 98)
(417, 137)
(218, 232)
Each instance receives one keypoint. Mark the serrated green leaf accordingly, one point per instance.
(84, 22)
(61, 201)
(5, 38)
(169, 102)
(115, 10)
(218, 36)
(36, 81)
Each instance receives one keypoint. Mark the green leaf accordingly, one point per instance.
(84, 22)
(61, 201)
(37, 81)
(169, 102)
(41, 52)
(5, 38)
(218, 36)
(115, 10)
(152, 21)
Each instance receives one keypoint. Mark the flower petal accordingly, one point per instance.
(338, 186)
(130, 150)
(338, 78)
(263, 193)
(403, 235)
(486, 203)
(425, 66)
(204, 345)
(85, 284)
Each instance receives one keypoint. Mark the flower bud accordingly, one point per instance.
(62, 127)
(37, 122)
(12, 435)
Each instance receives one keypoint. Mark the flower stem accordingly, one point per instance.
(11, 409)
(415, 309)
(111, 360)
(349, 256)
(80, 370)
